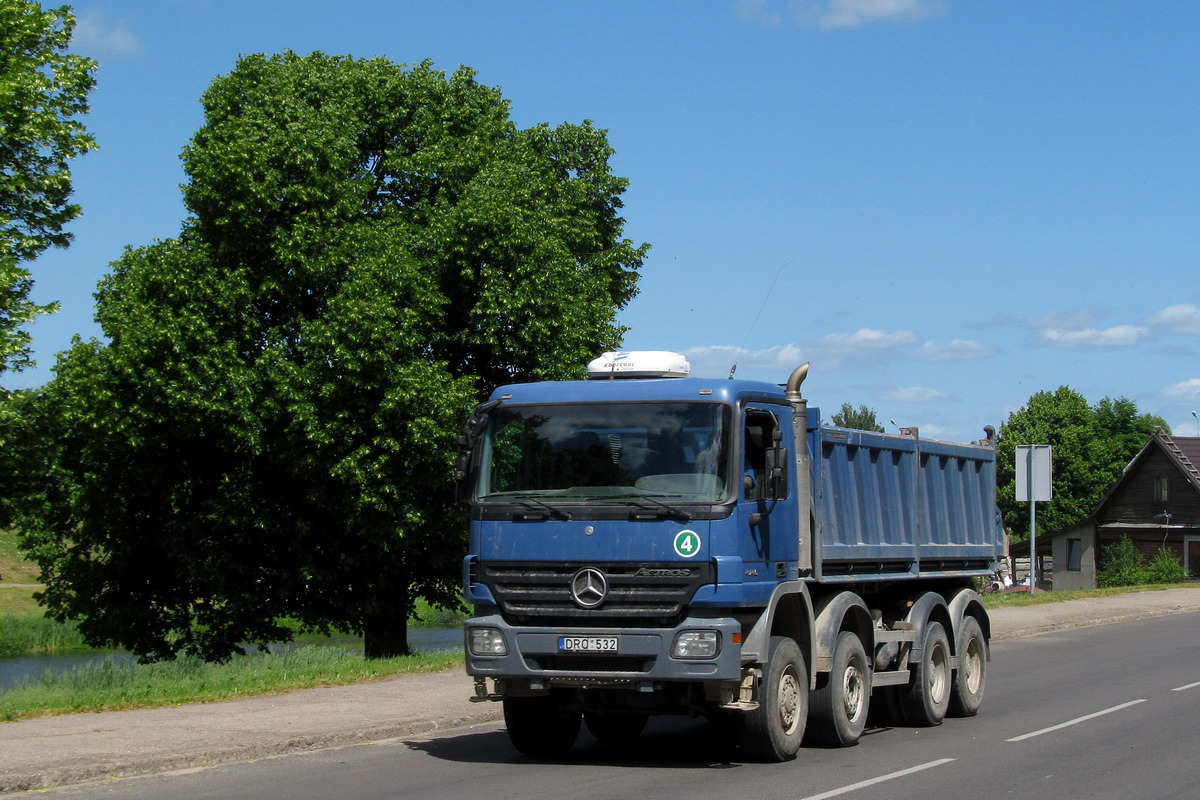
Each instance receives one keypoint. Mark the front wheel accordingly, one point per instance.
(970, 679)
(773, 731)
(839, 705)
(543, 727)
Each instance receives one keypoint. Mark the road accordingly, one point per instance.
(1105, 712)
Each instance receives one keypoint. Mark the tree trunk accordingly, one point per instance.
(385, 636)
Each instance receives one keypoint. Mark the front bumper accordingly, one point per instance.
(643, 659)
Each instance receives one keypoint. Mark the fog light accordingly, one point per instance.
(696, 644)
(487, 642)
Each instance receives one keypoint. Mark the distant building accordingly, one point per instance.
(1156, 503)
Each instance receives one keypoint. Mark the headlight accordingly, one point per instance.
(696, 644)
(487, 642)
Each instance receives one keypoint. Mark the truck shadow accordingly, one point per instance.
(667, 743)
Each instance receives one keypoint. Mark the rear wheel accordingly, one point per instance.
(970, 679)
(839, 705)
(542, 726)
(773, 731)
(927, 696)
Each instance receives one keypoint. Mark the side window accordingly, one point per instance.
(1074, 554)
(757, 437)
(1160, 488)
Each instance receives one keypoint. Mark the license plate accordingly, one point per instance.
(589, 644)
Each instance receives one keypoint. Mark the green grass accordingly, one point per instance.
(13, 566)
(1015, 599)
(21, 635)
(16, 600)
(426, 616)
(110, 685)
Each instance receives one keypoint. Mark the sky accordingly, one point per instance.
(946, 206)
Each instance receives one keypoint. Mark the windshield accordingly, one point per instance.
(606, 451)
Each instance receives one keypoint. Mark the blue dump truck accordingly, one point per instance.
(644, 542)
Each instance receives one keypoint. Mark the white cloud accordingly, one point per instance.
(914, 394)
(954, 350)
(856, 13)
(859, 347)
(1188, 390)
(865, 339)
(94, 37)
(779, 361)
(1117, 336)
(771, 364)
(1182, 318)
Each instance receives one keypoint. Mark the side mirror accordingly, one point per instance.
(777, 473)
(468, 438)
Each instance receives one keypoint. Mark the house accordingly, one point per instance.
(1156, 503)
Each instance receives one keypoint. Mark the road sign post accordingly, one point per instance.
(1035, 474)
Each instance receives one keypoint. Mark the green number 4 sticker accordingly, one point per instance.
(687, 543)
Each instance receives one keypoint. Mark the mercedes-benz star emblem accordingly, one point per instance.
(589, 587)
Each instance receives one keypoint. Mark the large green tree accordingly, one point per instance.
(269, 430)
(1091, 445)
(43, 92)
(861, 418)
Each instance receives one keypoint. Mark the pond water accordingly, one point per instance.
(14, 670)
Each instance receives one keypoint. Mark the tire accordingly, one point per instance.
(542, 727)
(840, 703)
(774, 730)
(970, 679)
(615, 729)
(927, 697)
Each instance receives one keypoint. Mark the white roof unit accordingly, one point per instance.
(639, 364)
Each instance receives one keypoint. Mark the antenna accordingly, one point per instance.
(754, 322)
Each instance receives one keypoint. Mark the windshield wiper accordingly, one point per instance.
(671, 510)
(526, 499)
(551, 510)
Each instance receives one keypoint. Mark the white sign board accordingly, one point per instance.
(1034, 466)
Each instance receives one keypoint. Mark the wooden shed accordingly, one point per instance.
(1156, 503)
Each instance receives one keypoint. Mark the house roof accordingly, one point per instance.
(1189, 446)
(1183, 452)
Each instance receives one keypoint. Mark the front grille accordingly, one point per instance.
(639, 595)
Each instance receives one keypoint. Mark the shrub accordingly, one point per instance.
(1166, 567)
(1122, 565)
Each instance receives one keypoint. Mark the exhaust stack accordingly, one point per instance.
(800, 426)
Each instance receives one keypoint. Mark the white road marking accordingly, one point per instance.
(1075, 721)
(1185, 688)
(873, 781)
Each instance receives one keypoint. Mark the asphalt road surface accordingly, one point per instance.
(1103, 712)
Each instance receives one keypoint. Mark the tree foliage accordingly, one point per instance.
(43, 91)
(269, 430)
(862, 418)
(1091, 445)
